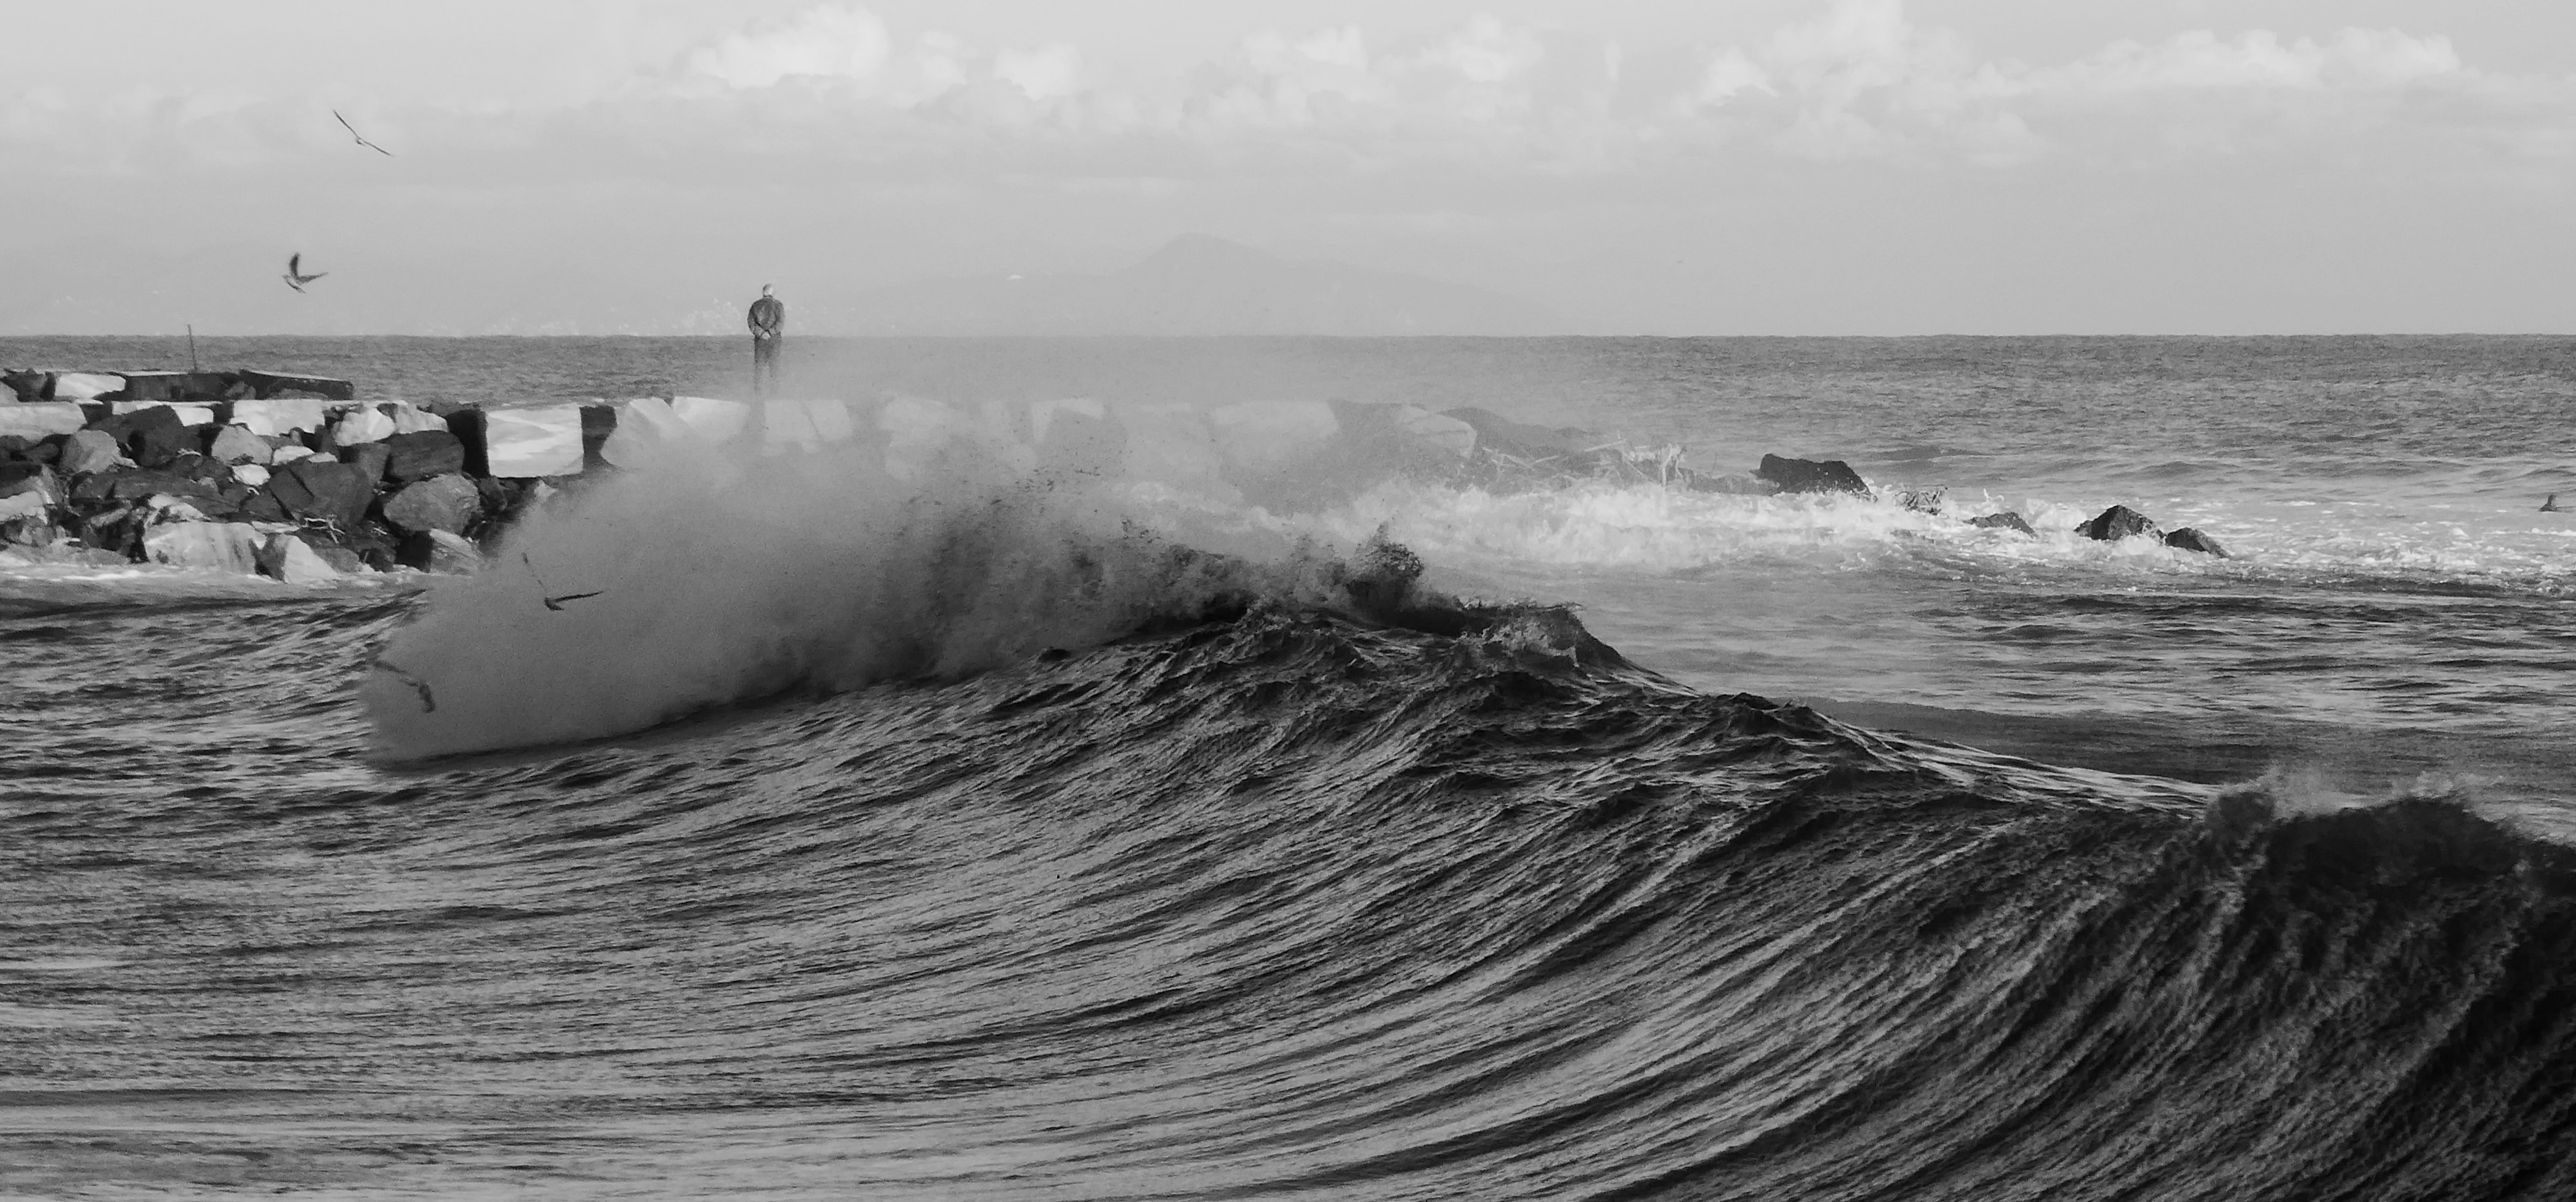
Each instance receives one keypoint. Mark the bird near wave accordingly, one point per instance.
(295, 277)
(362, 138)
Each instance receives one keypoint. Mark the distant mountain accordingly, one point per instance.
(1198, 284)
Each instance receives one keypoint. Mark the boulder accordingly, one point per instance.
(29, 530)
(412, 419)
(151, 435)
(1269, 436)
(451, 503)
(90, 451)
(544, 440)
(220, 546)
(370, 459)
(252, 474)
(291, 559)
(237, 444)
(2190, 538)
(111, 530)
(14, 447)
(361, 424)
(28, 385)
(2116, 523)
(266, 385)
(646, 429)
(1169, 443)
(1076, 436)
(293, 453)
(804, 425)
(421, 454)
(21, 477)
(29, 504)
(1811, 475)
(337, 493)
(441, 552)
(2007, 520)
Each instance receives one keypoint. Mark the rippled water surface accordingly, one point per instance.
(2028, 868)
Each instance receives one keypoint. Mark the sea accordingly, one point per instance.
(962, 832)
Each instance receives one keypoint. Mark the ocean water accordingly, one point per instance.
(951, 836)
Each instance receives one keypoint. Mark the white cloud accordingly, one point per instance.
(832, 42)
(1052, 73)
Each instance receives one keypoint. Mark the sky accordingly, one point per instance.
(1641, 166)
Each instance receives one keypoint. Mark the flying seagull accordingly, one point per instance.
(362, 138)
(428, 703)
(553, 603)
(295, 277)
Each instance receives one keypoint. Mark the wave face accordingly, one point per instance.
(1289, 903)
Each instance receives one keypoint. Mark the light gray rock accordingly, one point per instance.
(236, 444)
(288, 558)
(90, 451)
(220, 546)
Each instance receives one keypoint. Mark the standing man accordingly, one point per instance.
(768, 327)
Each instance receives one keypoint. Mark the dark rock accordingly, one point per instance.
(264, 385)
(2190, 538)
(88, 451)
(1811, 475)
(2007, 520)
(368, 458)
(112, 529)
(13, 447)
(2117, 522)
(209, 472)
(337, 493)
(49, 449)
(1923, 500)
(150, 437)
(263, 506)
(423, 454)
(127, 484)
(467, 426)
(19, 476)
(30, 531)
(29, 385)
(451, 503)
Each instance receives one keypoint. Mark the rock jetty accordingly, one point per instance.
(295, 477)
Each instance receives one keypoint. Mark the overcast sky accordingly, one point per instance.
(1769, 166)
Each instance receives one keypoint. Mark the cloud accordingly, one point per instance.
(1857, 79)
(832, 42)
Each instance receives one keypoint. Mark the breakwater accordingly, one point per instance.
(298, 478)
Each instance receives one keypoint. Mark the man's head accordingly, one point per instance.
(764, 290)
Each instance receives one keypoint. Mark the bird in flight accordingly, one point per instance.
(553, 603)
(295, 277)
(428, 701)
(362, 138)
